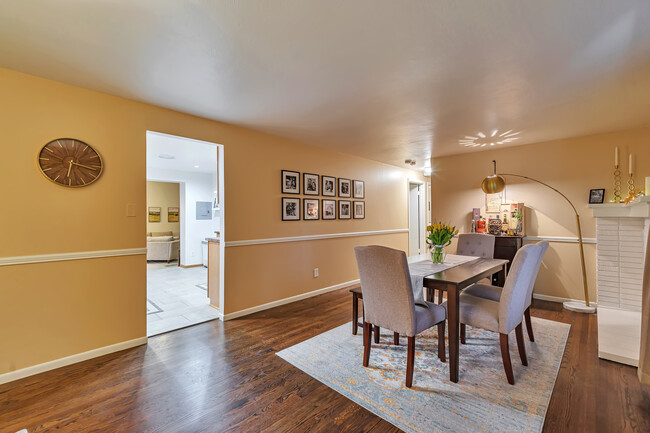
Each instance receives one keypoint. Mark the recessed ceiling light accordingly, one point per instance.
(166, 156)
(196, 166)
(482, 139)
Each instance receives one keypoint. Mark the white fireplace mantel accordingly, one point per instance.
(640, 208)
(621, 233)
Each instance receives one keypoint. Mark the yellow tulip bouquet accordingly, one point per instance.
(439, 236)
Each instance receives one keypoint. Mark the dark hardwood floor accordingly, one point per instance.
(225, 377)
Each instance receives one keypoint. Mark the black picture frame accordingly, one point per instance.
(343, 213)
(294, 215)
(307, 205)
(290, 186)
(326, 205)
(326, 182)
(597, 196)
(310, 184)
(345, 187)
(358, 189)
(360, 215)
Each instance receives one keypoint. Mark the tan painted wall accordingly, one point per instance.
(163, 195)
(48, 311)
(574, 166)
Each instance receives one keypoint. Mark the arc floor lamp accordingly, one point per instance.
(495, 183)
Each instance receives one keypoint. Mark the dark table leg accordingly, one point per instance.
(355, 313)
(501, 276)
(453, 333)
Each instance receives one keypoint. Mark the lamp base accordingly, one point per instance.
(580, 307)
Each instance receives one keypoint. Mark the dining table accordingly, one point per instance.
(452, 281)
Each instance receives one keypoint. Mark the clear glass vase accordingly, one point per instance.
(438, 254)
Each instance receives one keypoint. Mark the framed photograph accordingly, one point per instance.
(172, 214)
(493, 203)
(359, 209)
(290, 182)
(344, 187)
(597, 196)
(329, 209)
(290, 209)
(359, 188)
(311, 208)
(154, 214)
(310, 183)
(345, 209)
(328, 186)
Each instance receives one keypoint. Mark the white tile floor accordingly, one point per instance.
(174, 300)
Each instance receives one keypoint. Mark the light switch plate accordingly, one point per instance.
(130, 209)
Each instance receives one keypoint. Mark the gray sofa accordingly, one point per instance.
(163, 246)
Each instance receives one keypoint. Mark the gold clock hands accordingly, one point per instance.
(69, 168)
(84, 166)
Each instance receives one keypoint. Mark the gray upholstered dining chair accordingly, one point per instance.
(388, 302)
(493, 293)
(474, 244)
(506, 314)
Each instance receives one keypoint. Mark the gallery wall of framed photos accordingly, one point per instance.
(347, 197)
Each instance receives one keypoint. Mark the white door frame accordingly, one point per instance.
(422, 206)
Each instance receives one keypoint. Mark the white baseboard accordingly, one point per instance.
(289, 300)
(618, 358)
(558, 299)
(68, 360)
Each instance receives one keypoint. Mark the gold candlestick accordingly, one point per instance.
(617, 184)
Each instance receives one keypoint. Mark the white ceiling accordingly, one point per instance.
(192, 156)
(388, 80)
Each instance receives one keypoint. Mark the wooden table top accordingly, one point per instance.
(467, 273)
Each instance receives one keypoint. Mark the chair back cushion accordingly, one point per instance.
(515, 297)
(543, 246)
(476, 244)
(386, 288)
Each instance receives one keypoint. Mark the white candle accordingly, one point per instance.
(616, 157)
(630, 165)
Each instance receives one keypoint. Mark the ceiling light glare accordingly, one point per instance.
(166, 156)
(482, 139)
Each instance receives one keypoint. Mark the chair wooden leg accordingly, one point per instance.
(355, 313)
(367, 332)
(462, 333)
(442, 351)
(505, 354)
(439, 297)
(376, 335)
(410, 361)
(529, 325)
(396, 338)
(519, 333)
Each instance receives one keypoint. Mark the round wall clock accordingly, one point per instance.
(70, 162)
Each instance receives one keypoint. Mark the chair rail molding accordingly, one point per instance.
(564, 239)
(312, 237)
(61, 257)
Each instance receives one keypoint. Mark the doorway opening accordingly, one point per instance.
(185, 226)
(417, 212)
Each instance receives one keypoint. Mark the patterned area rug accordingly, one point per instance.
(482, 400)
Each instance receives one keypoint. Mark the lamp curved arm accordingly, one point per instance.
(545, 184)
(582, 253)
